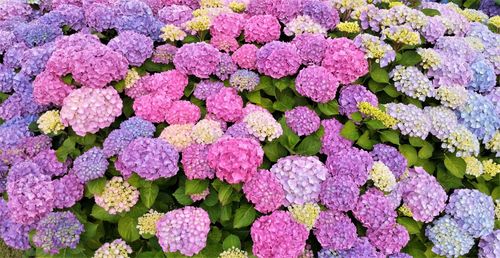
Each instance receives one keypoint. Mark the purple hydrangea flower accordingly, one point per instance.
(90, 165)
(335, 230)
(58, 230)
(310, 47)
(391, 157)
(374, 210)
(489, 245)
(351, 95)
(352, 162)
(134, 46)
(302, 120)
(339, 193)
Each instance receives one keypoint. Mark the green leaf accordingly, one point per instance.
(244, 216)
(231, 241)
(181, 197)
(470, 3)
(356, 117)
(349, 131)
(274, 151)
(330, 108)
(288, 139)
(411, 225)
(215, 235)
(149, 194)
(266, 84)
(254, 97)
(309, 146)
(375, 86)
(225, 192)
(195, 186)
(127, 228)
(417, 142)
(391, 91)
(136, 181)
(430, 12)
(282, 83)
(364, 141)
(378, 74)
(226, 212)
(448, 180)
(410, 58)
(375, 124)
(495, 194)
(455, 165)
(389, 136)
(96, 186)
(211, 199)
(426, 151)
(100, 213)
(410, 153)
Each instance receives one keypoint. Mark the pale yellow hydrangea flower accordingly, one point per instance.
(349, 27)
(233, 252)
(237, 7)
(305, 214)
(473, 166)
(375, 113)
(494, 143)
(171, 32)
(494, 21)
(50, 122)
(382, 177)
(207, 131)
(146, 224)
(263, 125)
(474, 15)
(430, 58)
(132, 77)
(405, 211)
(198, 23)
(403, 35)
(490, 167)
(178, 136)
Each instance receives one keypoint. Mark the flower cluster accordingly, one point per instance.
(118, 196)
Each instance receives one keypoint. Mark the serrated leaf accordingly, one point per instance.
(447, 180)
(288, 139)
(244, 216)
(102, 214)
(181, 197)
(455, 165)
(195, 186)
(410, 58)
(410, 224)
(417, 142)
(364, 141)
(309, 146)
(375, 124)
(389, 136)
(330, 108)
(282, 83)
(273, 151)
(96, 186)
(225, 192)
(127, 228)
(231, 241)
(375, 86)
(410, 153)
(426, 151)
(379, 75)
(391, 91)
(149, 194)
(349, 131)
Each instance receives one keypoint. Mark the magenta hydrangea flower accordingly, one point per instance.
(187, 59)
(206, 88)
(262, 29)
(302, 120)
(422, 195)
(259, 7)
(30, 198)
(182, 112)
(301, 178)
(278, 235)
(49, 164)
(311, 48)
(321, 12)
(390, 239)
(151, 107)
(264, 191)
(164, 54)
(235, 160)
(195, 162)
(332, 141)
(246, 56)
(91, 165)
(335, 230)
(339, 193)
(171, 83)
(225, 67)
(134, 46)
(227, 24)
(68, 190)
(317, 83)
(344, 60)
(351, 95)
(87, 110)
(150, 158)
(391, 157)
(50, 89)
(56, 231)
(224, 43)
(353, 162)
(184, 230)
(226, 105)
(374, 210)
(175, 14)
(278, 59)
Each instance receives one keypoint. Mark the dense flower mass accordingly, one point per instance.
(241, 128)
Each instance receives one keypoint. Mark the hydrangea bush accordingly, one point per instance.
(250, 128)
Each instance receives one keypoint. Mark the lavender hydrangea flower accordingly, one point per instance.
(443, 120)
(58, 230)
(448, 238)
(134, 46)
(489, 246)
(391, 157)
(412, 120)
(375, 210)
(352, 162)
(351, 95)
(302, 120)
(91, 165)
(339, 193)
(479, 116)
(335, 230)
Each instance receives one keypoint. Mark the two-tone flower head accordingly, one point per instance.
(118, 248)
(375, 48)
(301, 178)
(58, 230)
(184, 230)
(412, 121)
(118, 196)
(412, 82)
(262, 125)
(146, 224)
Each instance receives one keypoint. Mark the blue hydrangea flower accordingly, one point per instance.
(90, 165)
(483, 76)
(448, 238)
(138, 127)
(479, 116)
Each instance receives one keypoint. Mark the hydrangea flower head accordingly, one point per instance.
(305, 214)
(278, 235)
(206, 131)
(335, 230)
(195, 162)
(351, 95)
(448, 238)
(278, 59)
(118, 196)
(182, 112)
(375, 48)
(489, 246)
(374, 210)
(134, 46)
(479, 116)
(462, 142)
(382, 177)
(443, 120)
(187, 59)
(264, 191)
(339, 193)
(244, 80)
(226, 105)
(389, 239)
(90, 165)
(412, 120)
(50, 122)
(317, 83)
(245, 56)
(178, 135)
(391, 157)
(58, 230)
(184, 230)
(262, 125)
(310, 47)
(412, 82)
(332, 141)
(302, 120)
(344, 60)
(146, 224)
(452, 96)
(235, 160)
(262, 29)
(117, 247)
(301, 177)
(352, 162)
(206, 88)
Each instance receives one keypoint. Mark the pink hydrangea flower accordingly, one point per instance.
(50, 89)
(317, 83)
(265, 191)
(311, 48)
(87, 110)
(182, 112)
(235, 159)
(171, 83)
(152, 107)
(224, 43)
(195, 163)
(278, 59)
(344, 60)
(278, 235)
(245, 56)
(226, 105)
(389, 239)
(227, 24)
(198, 59)
(262, 29)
